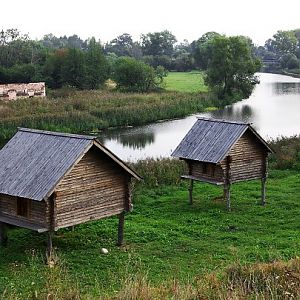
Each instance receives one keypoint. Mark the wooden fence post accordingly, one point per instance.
(3, 234)
(121, 228)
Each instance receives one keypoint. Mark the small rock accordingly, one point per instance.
(104, 251)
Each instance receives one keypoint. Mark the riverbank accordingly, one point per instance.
(172, 249)
(92, 111)
(292, 74)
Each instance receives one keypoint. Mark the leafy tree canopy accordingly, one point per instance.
(158, 43)
(231, 67)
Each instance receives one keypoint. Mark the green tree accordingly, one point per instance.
(96, 66)
(18, 49)
(202, 49)
(134, 76)
(158, 43)
(283, 42)
(52, 70)
(231, 67)
(123, 45)
(73, 69)
(289, 61)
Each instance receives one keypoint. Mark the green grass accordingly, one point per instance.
(185, 82)
(166, 239)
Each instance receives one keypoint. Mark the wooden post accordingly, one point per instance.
(3, 234)
(121, 228)
(49, 244)
(51, 226)
(227, 183)
(191, 191)
(228, 202)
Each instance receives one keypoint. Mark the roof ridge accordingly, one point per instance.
(224, 121)
(55, 133)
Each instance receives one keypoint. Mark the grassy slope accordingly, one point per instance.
(165, 238)
(185, 82)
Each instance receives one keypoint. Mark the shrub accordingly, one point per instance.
(134, 76)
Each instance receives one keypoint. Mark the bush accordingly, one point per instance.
(134, 76)
(287, 153)
(160, 171)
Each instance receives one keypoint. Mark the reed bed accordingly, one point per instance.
(92, 111)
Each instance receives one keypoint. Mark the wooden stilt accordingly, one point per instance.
(263, 191)
(228, 202)
(49, 244)
(3, 234)
(191, 191)
(227, 183)
(121, 228)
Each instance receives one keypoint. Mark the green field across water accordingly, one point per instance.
(185, 82)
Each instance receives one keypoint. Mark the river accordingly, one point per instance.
(273, 109)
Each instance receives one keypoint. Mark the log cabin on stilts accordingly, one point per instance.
(51, 180)
(222, 153)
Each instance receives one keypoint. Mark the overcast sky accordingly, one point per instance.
(186, 19)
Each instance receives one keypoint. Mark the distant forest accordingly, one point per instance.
(86, 64)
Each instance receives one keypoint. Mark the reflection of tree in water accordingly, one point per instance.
(231, 113)
(135, 140)
(282, 88)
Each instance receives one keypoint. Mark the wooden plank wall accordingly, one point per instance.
(196, 169)
(96, 188)
(247, 158)
(37, 214)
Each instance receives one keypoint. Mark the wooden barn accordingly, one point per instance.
(223, 152)
(51, 180)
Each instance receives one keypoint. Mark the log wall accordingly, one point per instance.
(206, 170)
(37, 213)
(248, 158)
(95, 188)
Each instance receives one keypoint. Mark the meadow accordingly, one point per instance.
(172, 250)
(185, 82)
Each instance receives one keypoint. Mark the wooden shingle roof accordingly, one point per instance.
(34, 161)
(209, 140)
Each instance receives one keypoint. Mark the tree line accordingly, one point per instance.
(229, 62)
(281, 52)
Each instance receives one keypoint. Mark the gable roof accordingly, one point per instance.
(33, 162)
(209, 140)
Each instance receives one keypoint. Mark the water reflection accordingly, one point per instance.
(243, 113)
(273, 108)
(282, 88)
(133, 139)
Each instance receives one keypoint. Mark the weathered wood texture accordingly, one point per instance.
(36, 215)
(3, 234)
(95, 188)
(247, 159)
(205, 170)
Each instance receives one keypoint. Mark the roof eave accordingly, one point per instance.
(116, 159)
(261, 139)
